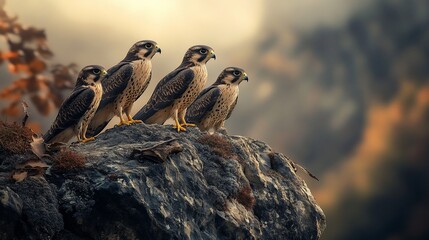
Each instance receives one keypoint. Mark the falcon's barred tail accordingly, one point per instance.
(58, 136)
(150, 116)
(189, 119)
(94, 132)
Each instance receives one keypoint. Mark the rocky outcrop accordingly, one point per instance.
(150, 182)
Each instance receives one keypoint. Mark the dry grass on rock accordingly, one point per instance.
(219, 145)
(245, 197)
(67, 159)
(14, 138)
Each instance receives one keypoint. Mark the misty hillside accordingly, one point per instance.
(321, 83)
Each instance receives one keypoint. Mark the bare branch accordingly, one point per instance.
(25, 107)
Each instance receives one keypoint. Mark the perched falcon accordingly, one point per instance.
(215, 104)
(176, 91)
(123, 85)
(77, 110)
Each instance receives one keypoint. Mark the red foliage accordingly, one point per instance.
(27, 57)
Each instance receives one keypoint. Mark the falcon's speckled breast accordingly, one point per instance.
(195, 87)
(220, 110)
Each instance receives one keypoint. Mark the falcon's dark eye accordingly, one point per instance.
(203, 51)
(96, 71)
(148, 45)
(236, 73)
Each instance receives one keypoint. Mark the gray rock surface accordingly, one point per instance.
(150, 182)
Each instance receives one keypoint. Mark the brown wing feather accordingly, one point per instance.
(164, 95)
(70, 113)
(202, 105)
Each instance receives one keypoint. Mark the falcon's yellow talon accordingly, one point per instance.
(179, 127)
(185, 124)
(87, 139)
(123, 122)
(131, 120)
(136, 121)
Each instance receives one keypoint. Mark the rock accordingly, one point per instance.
(150, 182)
(10, 211)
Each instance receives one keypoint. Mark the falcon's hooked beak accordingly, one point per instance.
(245, 77)
(212, 55)
(158, 50)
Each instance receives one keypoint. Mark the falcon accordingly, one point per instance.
(78, 109)
(215, 104)
(176, 91)
(123, 85)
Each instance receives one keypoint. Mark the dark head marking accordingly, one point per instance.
(90, 74)
(231, 75)
(142, 49)
(199, 54)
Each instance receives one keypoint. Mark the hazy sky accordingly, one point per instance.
(102, 31)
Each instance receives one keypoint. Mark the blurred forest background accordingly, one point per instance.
(341, 87)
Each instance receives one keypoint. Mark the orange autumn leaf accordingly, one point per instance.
(13, 110)
(27, 54)
(19, 67)
(15, 91)
(19, 176)
(35, 127)
(37, 66)
(8, 55)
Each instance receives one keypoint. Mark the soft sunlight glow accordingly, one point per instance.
(224, 22)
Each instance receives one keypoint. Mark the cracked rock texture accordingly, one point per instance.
(150, 182)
